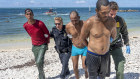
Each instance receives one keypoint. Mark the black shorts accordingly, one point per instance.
(98, 65)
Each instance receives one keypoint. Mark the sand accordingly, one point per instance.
(17, 62)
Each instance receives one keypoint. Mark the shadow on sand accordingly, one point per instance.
(130, 75)
(81, 72)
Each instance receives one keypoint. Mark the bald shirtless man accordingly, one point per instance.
(99, 29)
(73, 30)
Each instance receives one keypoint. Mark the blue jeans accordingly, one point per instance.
(64, 58)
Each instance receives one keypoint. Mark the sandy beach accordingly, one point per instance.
(17, 61)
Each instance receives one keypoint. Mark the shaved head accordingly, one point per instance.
(74, 14)
(74, 17)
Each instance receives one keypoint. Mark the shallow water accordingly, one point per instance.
(12, 20)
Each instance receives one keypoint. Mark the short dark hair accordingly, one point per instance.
(113, 5)
(28, 10)
(100, 3)
(77, 14)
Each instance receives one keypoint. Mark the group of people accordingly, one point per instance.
(94, 40)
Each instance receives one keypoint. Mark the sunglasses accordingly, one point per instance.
(57, 23)
(29, 14)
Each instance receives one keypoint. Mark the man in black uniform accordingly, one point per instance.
(116, 45)
(62, 45)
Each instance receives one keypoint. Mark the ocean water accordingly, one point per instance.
(12, 20)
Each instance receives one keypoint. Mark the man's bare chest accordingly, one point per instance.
(99, 30)
(75, 32)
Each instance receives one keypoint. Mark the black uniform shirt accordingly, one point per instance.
(61, 39)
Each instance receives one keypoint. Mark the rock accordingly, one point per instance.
(135, 37)
(129, 10)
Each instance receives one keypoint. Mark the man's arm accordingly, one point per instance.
(45, 30)
(67, 31)
(85, 32)
(24, 26)
(125, 37)
(114, 31)
(124, 32)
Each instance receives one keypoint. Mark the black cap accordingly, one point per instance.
(28, 10)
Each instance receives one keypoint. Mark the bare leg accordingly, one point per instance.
(75, 66)
(84, 66)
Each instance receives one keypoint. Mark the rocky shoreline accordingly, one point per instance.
(19, 63)
(129, 10)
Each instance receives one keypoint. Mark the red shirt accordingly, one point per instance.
(36, 32)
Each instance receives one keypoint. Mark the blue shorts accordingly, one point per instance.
(78, 51)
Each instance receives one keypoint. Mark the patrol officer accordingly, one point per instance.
(116, 45)
(62, 45)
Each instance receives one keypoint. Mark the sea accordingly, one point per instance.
(12, 20)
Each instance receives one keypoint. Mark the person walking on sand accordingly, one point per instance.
(40, 38)
(116, 45)
(73, 30)
(62, 45)
(99, 29)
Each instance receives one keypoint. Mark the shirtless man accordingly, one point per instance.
(99, 29)
(73, 30)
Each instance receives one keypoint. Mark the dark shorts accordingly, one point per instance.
(97, 64)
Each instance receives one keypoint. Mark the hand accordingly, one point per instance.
(111, 39)
(70, 36)
(65, 50)
(46, 35)
(128, 49)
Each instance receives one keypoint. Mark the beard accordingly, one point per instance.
(103, 19)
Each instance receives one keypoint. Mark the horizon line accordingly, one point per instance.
(62, 7)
